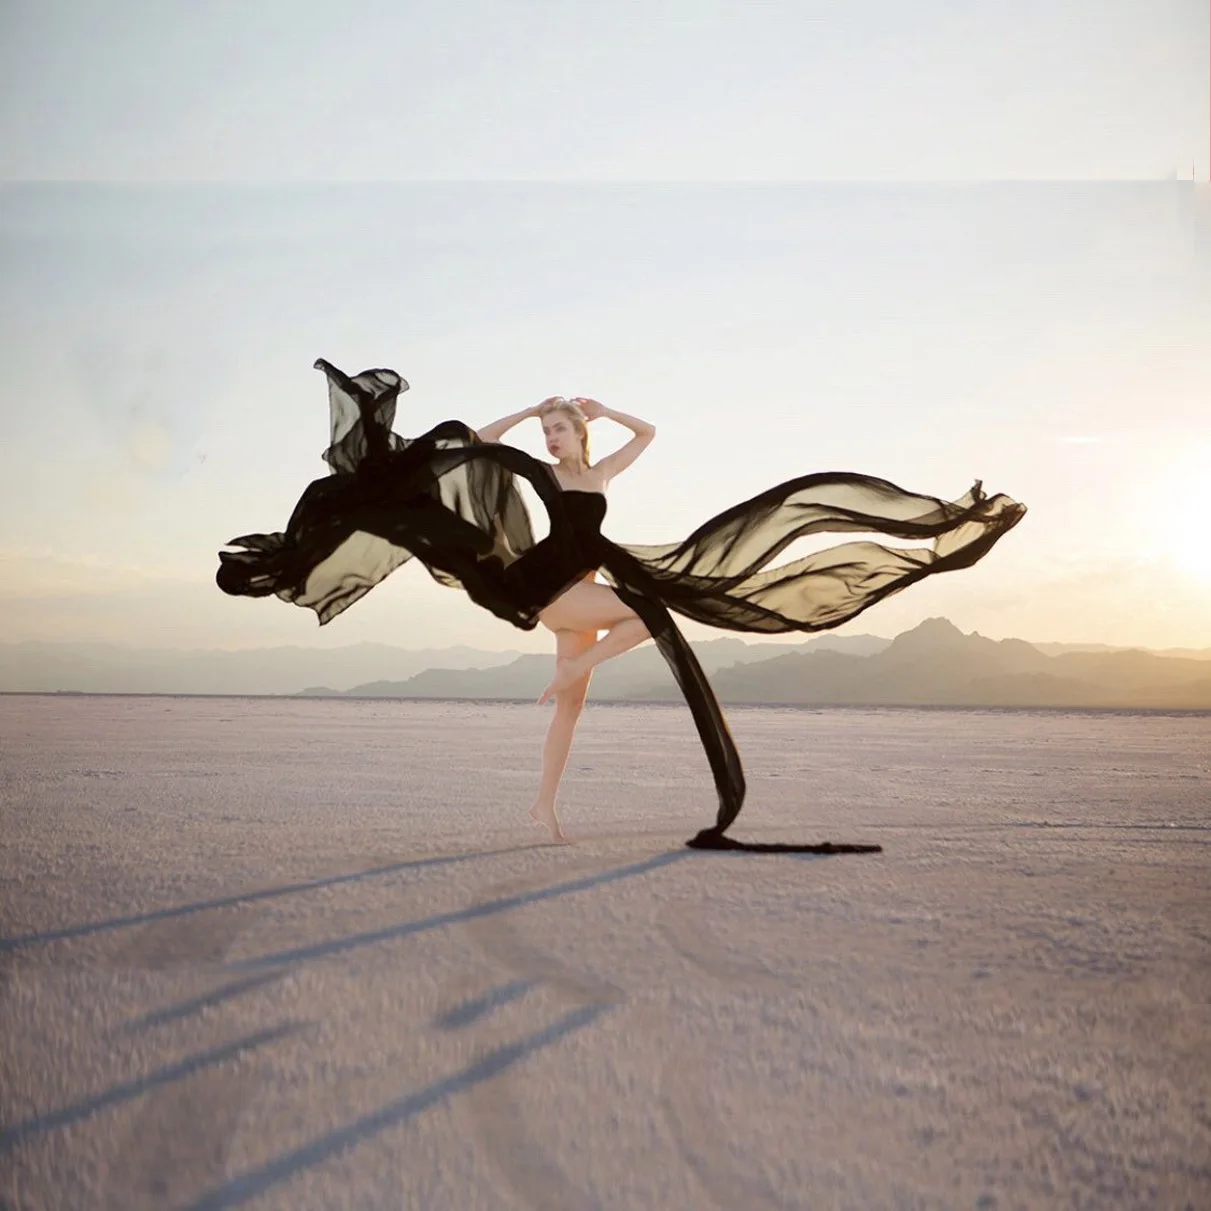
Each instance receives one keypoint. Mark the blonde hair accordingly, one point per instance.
(572, 411)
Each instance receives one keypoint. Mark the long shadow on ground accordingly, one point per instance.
(269, 893)
(136, 1088)
(250, 1185)
(322, 950)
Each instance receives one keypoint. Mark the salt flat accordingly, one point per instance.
(297, 953)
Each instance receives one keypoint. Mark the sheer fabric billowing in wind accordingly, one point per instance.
(453, 502)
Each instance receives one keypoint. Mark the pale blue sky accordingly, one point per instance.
(633, 89)
(1052, 339)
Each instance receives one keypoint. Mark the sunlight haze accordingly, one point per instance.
(954, 277)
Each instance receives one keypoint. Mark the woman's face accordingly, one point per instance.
(562, 441)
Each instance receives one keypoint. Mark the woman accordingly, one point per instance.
(450, 498)
(585, 608)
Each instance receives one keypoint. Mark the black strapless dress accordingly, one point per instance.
(452, 501)
(553, 564)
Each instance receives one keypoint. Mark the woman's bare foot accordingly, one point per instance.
(567, 673)
(544, 814)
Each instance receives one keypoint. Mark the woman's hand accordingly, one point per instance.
(590, 407)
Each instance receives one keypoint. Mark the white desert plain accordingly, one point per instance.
(312, 954)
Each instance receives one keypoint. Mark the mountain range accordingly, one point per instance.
(934, 664)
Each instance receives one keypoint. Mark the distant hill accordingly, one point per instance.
(932, 664)
(634, 675)
(366, 669)
(1059, 649)
(935, 664)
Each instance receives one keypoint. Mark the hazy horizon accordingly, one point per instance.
(850, 632)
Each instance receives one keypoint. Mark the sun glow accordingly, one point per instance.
(1191, 554)
(1187, 541)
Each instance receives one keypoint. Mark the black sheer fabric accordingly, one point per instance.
(452, 501)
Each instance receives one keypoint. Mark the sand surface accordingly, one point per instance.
(311, 954)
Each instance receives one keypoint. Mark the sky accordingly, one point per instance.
(308, 90)
(956, 242)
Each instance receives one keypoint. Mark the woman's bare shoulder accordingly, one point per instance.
(592, 481)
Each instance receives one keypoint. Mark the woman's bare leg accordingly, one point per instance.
(569, 703)
(621, 637)
(591, 607)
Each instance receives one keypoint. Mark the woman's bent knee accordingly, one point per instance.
(586, 607)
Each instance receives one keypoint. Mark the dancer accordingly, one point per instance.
(582, 610)
(450, 499)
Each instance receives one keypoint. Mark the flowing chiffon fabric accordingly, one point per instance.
(452, 501)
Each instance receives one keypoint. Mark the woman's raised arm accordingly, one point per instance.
(498, 428)
(623, 458)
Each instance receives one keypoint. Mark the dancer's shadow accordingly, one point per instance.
(206, 1000)
(255, 1182)
(125, 1091)
(323, 950)
(249, 1185)
(164, 914)
(705, 840)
